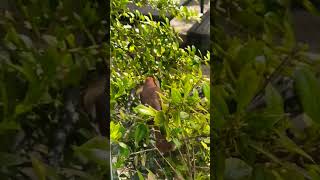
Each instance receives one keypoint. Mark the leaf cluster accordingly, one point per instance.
(265, 93)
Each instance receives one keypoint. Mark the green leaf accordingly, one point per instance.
(236, 169)
(96, 150)
(140, 133)
(97, 142)
(294, 170)
(220, 164)
(162, 121)
(248, 53)
(71, 40)
(205, 145)
(291, 146)
(218, 100)
(187, 87)
(310, 7)
(262, 173)
(49, 63)
(277, 175)
(39, 168)
(273, 100)
(140, 175)
(177, 143)
(175, 96)
(115, 133)
(159, 118)
(314, 171)
(265, 152)
(184, 115)
(78, 173)
(50, 40)
(151, 176)
(289, 36)
(144, 110)
(206, 91)
(308, 89)
(131, 48)
(26, 40)
(247, 86)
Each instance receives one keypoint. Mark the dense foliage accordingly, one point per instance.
(142, 47)
(264, 82)
(47, 50)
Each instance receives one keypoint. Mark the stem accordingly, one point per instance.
(146, 150)
(166, 160)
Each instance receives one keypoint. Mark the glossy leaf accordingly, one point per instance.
(149, 111)
(140, 133)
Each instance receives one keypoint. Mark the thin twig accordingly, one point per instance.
(195, 137)
(146, 150)
(83, 48)
(182, 156)
(200, 167)
(189, 161)
(160, 166)
(194, 162)
(166, 160)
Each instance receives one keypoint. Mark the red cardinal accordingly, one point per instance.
(149, 96)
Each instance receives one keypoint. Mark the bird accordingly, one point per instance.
(150, 96)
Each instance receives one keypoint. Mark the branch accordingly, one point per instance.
(166, 160)
(195, 137)
(146, 150)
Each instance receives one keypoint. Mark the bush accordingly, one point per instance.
(48, 50)
(141, 47)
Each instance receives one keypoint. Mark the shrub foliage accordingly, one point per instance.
(264, 82)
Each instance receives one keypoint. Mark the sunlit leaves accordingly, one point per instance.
(142, 48)
(116, 133)
(206, 91)
(144, 110)
(175, 96)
